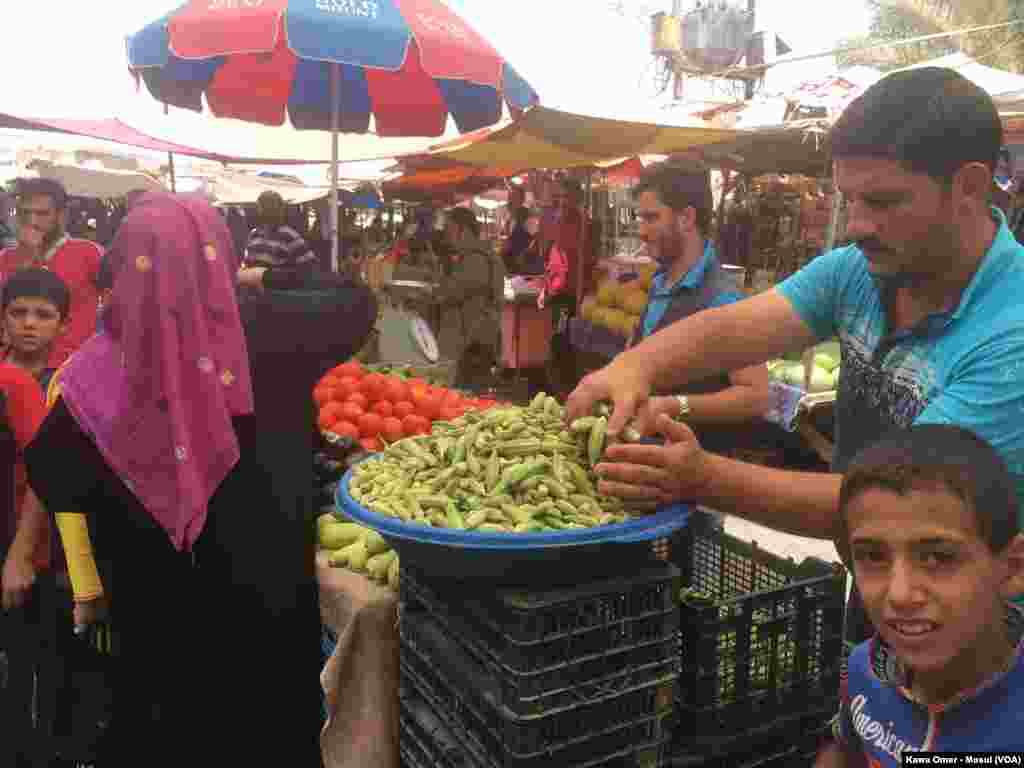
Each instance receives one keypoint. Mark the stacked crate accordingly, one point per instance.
(573, 678)
(761, 641)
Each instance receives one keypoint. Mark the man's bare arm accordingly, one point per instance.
(744, 402)
(800, 503)
(728, 338)
(31, 527)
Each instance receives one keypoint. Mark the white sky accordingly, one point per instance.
(65, 58)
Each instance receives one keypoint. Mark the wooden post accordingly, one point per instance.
(581, 260)
(833, 221)
(170, 160)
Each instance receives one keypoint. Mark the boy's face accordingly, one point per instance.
(32, 324)
(931, 585)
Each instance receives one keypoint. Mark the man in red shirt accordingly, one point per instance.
(572, 233)
(43, 242)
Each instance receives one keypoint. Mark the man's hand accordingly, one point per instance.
(251, 277)
(622, 383)
(90, 612)
(675, 471)
(646, 421)
(19, 576)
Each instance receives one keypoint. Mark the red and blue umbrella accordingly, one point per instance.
(329, 65)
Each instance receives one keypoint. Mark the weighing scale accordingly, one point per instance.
(404, 336)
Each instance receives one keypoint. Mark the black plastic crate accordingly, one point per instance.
(766, 646)
(561, 686)
(425, 742)
(623, 722)
(791, 744)
(528, 632)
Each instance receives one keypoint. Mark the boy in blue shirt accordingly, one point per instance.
(928, 517)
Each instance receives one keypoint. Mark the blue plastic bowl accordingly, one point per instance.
(519, 558)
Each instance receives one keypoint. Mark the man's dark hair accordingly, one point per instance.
(521, 215)
(943, 457)
(36, 283)
(680, 185)
(50, 188)
(466, 219)
(930, 120)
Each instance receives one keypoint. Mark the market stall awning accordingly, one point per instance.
(107, 130)
(230, 187)
(799, 147)
(80, 181)
(549, 138)
(222, 140)
(1005, 88)
(443, 183)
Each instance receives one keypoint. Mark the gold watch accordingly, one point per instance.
(684, 407)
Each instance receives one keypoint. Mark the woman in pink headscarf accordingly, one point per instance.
(183, 433)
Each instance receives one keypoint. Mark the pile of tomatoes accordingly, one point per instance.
(370, 408)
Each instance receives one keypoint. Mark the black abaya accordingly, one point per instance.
(219, 648)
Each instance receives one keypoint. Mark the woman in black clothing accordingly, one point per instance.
(217, 610)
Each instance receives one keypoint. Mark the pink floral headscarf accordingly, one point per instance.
(157, 387)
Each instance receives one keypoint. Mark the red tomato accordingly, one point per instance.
(428, 405)
(414, 424)
(371, 385)
(323, 394)
(448, 414)
(451, 398)
(351, 368)
(383, 408)
(346, 387)
(359, 399)
(392, 429)
(331, 412)
(370, 425)
(484, 405)
(326, 422)
(395, 390)
(403, 409)
(346, 429)
(351, 412)
(371, 444)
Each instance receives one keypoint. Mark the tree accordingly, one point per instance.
(902, 19)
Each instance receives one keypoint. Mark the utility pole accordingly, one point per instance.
(677, 82)
(748, 86)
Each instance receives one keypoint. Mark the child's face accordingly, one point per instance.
(32, 324)
(931, 585)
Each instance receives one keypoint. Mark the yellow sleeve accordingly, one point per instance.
(85, 577)
(54, 390)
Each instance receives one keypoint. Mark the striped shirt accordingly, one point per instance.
(278, 247)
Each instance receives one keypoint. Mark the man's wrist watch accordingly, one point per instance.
(684, 408)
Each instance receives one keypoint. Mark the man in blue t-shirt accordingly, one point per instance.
(929, 519)
(926, 304)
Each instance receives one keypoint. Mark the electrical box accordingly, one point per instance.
(715, 35)
(666, 35)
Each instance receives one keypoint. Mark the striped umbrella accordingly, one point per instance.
(329, 65)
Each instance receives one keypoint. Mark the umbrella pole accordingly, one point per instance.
(335, 120)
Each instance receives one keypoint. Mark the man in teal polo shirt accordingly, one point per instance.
(927, 305)
(675, 205)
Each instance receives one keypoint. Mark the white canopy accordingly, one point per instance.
(230, 187)
(1005, 88)
(102, 183)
